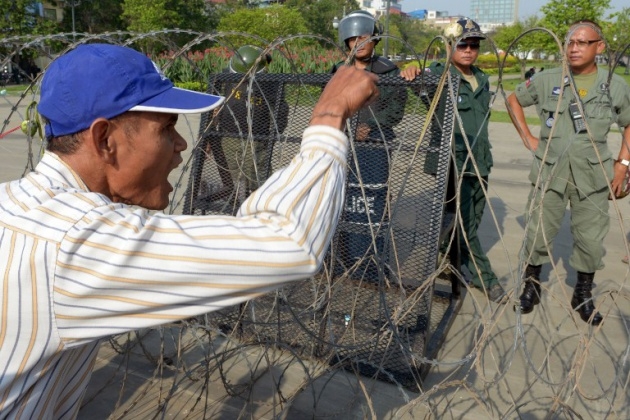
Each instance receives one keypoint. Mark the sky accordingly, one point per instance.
(459, 7)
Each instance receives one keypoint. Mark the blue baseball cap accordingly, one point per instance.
(104, 80)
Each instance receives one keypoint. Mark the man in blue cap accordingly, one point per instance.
(83, 258)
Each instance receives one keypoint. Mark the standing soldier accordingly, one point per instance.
(572, 163)
(264, 108)
(472, 148)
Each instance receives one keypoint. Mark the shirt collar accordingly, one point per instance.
(53, 167)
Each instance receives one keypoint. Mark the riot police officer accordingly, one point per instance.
(373, 130)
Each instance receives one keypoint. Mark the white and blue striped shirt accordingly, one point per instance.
(76, 267)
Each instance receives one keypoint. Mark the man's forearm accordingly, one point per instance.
(517, 115)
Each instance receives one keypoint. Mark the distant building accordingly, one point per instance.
(490, 14)
(379, 7)
(418, 14)
(434, 18)
(51, 10)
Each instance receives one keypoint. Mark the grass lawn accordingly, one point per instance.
(14, 89)
(504, 117)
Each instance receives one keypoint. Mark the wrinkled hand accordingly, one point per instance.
(410, 73)
(618, 184)
(348, 90)
(532, 143)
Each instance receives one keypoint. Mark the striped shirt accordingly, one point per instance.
(77, 267)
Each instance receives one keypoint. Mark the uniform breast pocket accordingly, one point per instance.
(464, 103)
(551, 113)
(600, 118)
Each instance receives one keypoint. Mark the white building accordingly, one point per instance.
(379, 7)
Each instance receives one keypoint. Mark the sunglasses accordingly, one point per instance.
(462, 46)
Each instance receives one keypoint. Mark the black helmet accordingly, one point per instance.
(245, 57)
(464, 28)
(358, 23)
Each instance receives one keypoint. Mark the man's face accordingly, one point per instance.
(583, 45)
(466, 53)
(149, 150)
(365, 49)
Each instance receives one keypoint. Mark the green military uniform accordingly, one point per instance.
(260, 112)
(569, 167)
(473, 107)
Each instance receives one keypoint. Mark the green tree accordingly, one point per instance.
(415, 34)
(149, 15)
(530, 43)
(319, 15)
(93, 16)
(617, 33)
(21, 17)
(560, 14)
(267, 23)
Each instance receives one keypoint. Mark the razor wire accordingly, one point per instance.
(198, 368)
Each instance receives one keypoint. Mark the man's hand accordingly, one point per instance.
(348, 90)
(618, 184)
(531, 142)
(410, 73)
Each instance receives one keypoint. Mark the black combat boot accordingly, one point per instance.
(531, 292)
(582, 300)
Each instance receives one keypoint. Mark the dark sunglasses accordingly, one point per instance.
(463, 45)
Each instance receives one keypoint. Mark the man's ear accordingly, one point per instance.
(601, 46)
(101, 140)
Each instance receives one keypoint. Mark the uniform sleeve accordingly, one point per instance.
(122, 268)
(622, 104)
(527, 92)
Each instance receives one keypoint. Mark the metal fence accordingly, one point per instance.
(374, 307)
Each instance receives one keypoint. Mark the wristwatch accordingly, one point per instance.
(624, 162)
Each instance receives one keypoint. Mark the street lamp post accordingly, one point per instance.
(386, 45)
(73, 4)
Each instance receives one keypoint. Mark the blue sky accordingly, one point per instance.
(459, 7)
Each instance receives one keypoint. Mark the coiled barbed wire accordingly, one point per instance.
(498, 364)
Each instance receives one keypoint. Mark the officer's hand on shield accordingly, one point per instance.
(409, 73)
(362, 133)
(348, 90)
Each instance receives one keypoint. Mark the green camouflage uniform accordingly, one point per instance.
(569, 167)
